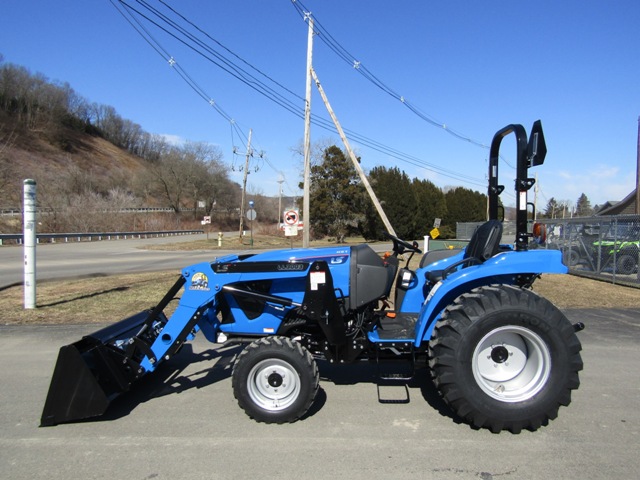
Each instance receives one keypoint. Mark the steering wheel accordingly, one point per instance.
(400, 245)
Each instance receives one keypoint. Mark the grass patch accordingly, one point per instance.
(108, 299)
(260, 242)
(88, 300)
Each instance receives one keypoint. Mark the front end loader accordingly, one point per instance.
(501, 356)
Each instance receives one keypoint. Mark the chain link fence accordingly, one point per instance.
(605, 247)
(464, 230)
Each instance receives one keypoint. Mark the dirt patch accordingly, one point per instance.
(570, 291)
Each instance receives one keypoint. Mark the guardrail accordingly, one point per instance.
(13, 212)
(79, 237)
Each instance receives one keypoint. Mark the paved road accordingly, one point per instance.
(183, 422)
(66, 260)
(62, 260)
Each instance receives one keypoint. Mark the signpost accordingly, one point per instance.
(251, 216)
(291, 218)
(206, 220)
(29, 236)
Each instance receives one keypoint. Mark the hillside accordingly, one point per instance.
(80, 175)
(32, 155)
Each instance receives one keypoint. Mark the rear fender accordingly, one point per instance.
(503, 268)
(414, 288)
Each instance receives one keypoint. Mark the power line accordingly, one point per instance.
(357, 65)
(199, 46)
(146, 35)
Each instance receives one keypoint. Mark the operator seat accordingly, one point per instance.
(484, 244)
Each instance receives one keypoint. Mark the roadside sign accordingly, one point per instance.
(251, 214)
(291, 217)
(435, 233)
(436, 223)
(206, 220)
(290, 230)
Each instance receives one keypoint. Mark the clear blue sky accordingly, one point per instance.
(474, 66)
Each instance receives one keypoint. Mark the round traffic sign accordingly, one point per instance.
(291, 217)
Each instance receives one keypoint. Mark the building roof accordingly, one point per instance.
(626, 206)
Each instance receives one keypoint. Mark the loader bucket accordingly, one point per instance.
(91, 372)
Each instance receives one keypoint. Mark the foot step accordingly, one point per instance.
(397, 393)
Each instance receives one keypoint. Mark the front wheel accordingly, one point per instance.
(275, 380)
(504, 358)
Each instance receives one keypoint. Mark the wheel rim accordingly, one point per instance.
(273, 384)
(511, 364)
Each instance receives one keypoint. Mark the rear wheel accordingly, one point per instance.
(626, 264)
(571, 257)
(275, 380)
(504, 358)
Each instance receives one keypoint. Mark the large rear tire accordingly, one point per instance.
(504, 358)
(275, 380)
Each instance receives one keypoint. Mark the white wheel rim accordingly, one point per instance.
(273, 384)
(511, 364)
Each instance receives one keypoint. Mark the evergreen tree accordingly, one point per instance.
(393, 189)
(336, 195)
(465, 205)
(553, 209)
(431, 205)
(583, 207)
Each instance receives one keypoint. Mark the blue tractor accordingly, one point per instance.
(501, 356)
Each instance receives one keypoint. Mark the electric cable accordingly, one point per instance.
(352, 61)
(257, 85)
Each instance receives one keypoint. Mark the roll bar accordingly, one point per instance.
(529, 153)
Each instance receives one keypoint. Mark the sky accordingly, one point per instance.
(464, 66)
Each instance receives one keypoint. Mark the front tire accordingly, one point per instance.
(504, 358)
(275, 380)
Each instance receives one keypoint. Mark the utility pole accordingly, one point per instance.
(307, 139)
(244, 184)
(279, 216)
(356, 164)
(638, 175)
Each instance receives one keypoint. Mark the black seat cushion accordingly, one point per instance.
(484, 244)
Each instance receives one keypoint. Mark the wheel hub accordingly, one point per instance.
(273, 384)
(275, 379)
(499, 354)
(511, 363)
